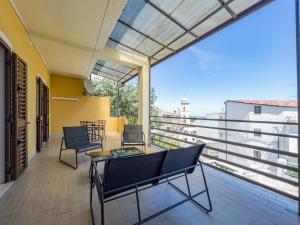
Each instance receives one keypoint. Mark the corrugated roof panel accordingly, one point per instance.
(148, 47)
(239, 6)
(184, 40)
(116, 67)
(162, 54)
(132, 10)
(172, 24)
(191, 11)
(113, 71)
(125, 35)
(168, 6)
(153, 61)
(113, 44)
(214, 21)
(153, 23)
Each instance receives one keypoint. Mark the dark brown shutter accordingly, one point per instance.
(39, 115)
(42, 113)
(19, 115)
(8, 116)
(46, 113)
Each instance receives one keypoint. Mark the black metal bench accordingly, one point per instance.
(137, 173)
(78, 139)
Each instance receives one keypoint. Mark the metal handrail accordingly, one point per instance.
(228, 120)
(280, 152)
(227, 129)
(291, 168)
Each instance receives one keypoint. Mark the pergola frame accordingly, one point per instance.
(110, 75)
(234, 18)
(223, 5)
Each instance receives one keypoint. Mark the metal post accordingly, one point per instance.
(226, 128)
(118, 100)
(150, 92)
(278, 141)
(297, 17)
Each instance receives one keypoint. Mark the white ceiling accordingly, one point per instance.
(67, 31)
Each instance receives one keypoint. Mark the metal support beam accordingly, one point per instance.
(297, 18)
(109, 74)
(118, 99)
(126, 46)
(145, 35)
(112, 68)
(126, 75)
(171, 18)
(228, 9)
(197, 24)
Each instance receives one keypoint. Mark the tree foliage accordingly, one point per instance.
(128, 101)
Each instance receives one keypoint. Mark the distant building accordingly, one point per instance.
(261, 110)
(185, 110)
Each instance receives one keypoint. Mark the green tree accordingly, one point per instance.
(128, 102)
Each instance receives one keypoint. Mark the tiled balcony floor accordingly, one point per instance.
(51, 193)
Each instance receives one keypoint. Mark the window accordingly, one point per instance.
(257, 109)
(257, 154)
(257, 132)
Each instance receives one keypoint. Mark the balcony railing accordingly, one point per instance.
(244, 153)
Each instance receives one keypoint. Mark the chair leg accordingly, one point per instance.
(190, 196)
(76, 160)
(206, 187)
(61, 148)
(138, 203)
(68, 164)
(102, 211)
(60, 154)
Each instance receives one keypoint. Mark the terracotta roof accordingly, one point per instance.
(280, 103)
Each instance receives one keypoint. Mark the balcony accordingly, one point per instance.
(51, 193)
(49, 52)
(232, 146)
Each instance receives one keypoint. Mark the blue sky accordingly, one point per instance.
(251, 59)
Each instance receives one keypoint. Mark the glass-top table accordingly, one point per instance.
(98, 156)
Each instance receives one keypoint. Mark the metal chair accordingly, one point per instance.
(133, 135)
(78, 139)
(124, 174)
(101, 127)
(131, 175)
(184, 161)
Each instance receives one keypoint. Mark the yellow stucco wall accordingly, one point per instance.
(14, 30)
(87, 108)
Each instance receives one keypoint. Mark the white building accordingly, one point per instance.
(261, 110)
(185, 110)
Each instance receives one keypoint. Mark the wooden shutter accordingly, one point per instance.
(8, 116)
(39, 115)
(42, 111)
(18, 102)
(46, 113)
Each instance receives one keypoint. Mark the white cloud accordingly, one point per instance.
(208, 61)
